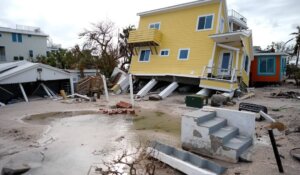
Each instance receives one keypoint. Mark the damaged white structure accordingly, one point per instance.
(219, 133)
(15, 75)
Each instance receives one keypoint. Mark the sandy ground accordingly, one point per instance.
(71, 145)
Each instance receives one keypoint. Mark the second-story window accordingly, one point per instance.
(205, 22)
(16, 37)
(154, 26)
(164, 52)
(144, 55)
(183, 54)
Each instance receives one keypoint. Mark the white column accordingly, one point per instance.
(72, 85)
(131, 90)
(105, 87)
(237, 60)
(46, 90)
(23, 92)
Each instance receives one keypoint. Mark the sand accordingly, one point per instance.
(67, 145)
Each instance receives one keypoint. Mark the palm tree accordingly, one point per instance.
(297, 45)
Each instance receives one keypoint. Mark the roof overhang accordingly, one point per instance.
(229, 37)
(271, 54)
(178, 7)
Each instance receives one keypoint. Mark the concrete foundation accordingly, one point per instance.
(219, 133)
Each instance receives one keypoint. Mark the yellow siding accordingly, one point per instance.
(247, 41)
(222, 85)
(179, 31)
(223, 14)
(245, 77)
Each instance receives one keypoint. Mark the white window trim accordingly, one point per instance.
(164, 50)
(188, 55)
(154, 24)
(212, 22)
(140, 56)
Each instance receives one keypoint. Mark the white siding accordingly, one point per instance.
(38, 44)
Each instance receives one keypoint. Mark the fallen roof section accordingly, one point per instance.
(24, 72)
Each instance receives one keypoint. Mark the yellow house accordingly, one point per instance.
(198, 42)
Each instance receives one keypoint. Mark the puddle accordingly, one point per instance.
(157, 121)
(77, 140)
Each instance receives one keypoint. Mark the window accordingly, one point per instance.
(16, 37)
(221, 29)
(144, 55)
(164, 52)
(29, 35)
(246, 63)
(16, 58)
(183, 54)
(0, 35)
(205, 22)
(31, 53)
(266, 65)
(154, 26)
(19, 37)
(21, 58)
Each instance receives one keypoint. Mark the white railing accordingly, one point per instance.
(235, 14)
(216, 73)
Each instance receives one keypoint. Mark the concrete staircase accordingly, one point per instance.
(212, 136)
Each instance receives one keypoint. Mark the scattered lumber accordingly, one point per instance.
(249, 95)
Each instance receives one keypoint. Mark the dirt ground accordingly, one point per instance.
(58, 139)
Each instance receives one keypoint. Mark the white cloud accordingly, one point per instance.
(63, 20)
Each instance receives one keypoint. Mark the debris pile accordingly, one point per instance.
(90, 85)
(121, 108)
(287, 94)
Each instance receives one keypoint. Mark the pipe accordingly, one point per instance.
(275, 150)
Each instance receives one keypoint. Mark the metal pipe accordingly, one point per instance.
(275, 150)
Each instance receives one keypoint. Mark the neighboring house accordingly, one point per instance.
(21, 43)
(268, 67)
(199, 42)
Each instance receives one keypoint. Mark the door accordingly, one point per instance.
(225, 61)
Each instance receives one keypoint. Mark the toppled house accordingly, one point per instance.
(268, 67)
(195, 43)
(23, 79)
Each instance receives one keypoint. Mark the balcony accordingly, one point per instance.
(141, 38)
(237, 21)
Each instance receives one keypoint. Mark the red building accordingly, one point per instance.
(268, 68)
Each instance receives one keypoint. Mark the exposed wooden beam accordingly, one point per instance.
(23, 92)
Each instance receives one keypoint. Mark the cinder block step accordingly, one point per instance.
(226, 133)
(214, 124)
(202, 116)
(239, 143)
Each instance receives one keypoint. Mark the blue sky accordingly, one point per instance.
(63, 20)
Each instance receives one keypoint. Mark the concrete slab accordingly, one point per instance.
(184, 161)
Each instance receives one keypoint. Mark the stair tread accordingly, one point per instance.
(212, 122)
(225, 131)
(237, 142)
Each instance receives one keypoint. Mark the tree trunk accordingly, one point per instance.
(297, 59)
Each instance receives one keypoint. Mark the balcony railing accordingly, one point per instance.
(215, 73)
(236, 15)
(145, 37)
